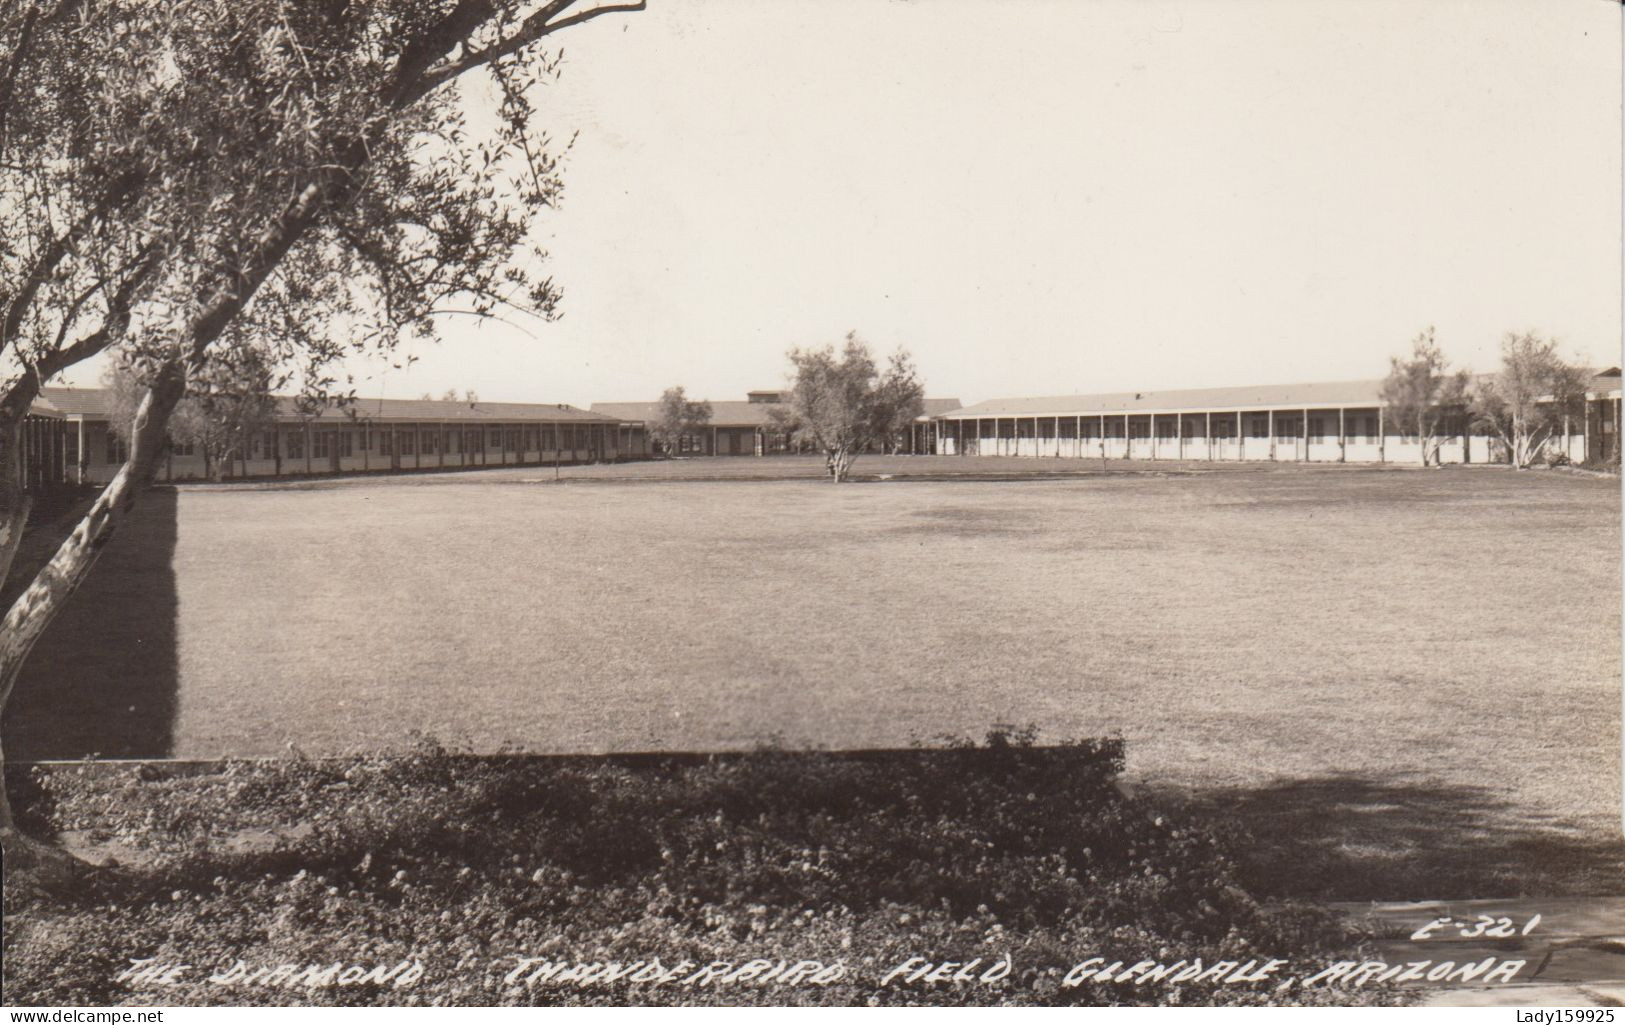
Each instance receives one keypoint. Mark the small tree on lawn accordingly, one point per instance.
(677, 417)
(844, 404)
(1421, 393)
(1530, 399)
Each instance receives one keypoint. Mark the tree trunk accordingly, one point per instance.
(37, 606)
(840, 461)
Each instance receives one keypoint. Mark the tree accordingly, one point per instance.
(843, 404)
(1530, 399)
(224, 406)
(1421, 393)
(177, 178)
(676, 418)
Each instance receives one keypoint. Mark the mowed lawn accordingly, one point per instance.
(1251, 632)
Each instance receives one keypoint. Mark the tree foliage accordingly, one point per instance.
(1421, 393)
(676, 417)
(844, 404)
(225, 405)
(181, 178)
(1531, 398)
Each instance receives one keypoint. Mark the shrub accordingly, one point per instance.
(467, 864)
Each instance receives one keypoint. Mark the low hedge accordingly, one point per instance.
(1026, 857)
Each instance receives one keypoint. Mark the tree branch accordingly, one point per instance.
(530, 31)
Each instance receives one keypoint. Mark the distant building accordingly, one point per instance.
(736, 428)
(371, 435)
(1340, 421)
(750, 428)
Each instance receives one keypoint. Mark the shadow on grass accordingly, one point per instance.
(102, 680)
(1350, 837)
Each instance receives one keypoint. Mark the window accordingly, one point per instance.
(496, 439)
(320, 446)
(407, 447)
(428, 442)
(1317, 428)
(296, 445)
(116, 451)
(347, 443)
(386, 442)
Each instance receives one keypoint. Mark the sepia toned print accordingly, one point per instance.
(871, 504)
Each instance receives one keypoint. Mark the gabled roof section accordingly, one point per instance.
(723, 414)
(87, 402)
(734, 414)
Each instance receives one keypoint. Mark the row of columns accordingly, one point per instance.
(1100, 420)
(442, 430)
(1611, 440)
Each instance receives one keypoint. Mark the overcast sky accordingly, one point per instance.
(1051, 197)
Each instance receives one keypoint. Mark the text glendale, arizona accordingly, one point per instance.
(915, 971)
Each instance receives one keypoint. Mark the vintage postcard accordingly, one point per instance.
(874, 503)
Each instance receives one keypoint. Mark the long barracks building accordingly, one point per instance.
(371, 435)
(68, 437)
(1325, 422)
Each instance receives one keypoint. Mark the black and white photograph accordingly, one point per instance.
(872, 503)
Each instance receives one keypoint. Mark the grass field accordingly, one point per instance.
(1416, 675)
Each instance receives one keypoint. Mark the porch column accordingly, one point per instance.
(1179, 437)
(1270, 422)
(84, 455)
(713, 441)
(1103, 435)
(1342, 437)
(1585, 428)
(1241, 436)
(1382, 438)
(1305, 432)
(1153, 435)
(307, 446)
(1207, 431)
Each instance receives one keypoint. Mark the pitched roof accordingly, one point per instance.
(1315, 394)
(90, 402)
(723, 414)
(1334, 393)
(95, 403)
(734, 414)
(439, 409)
